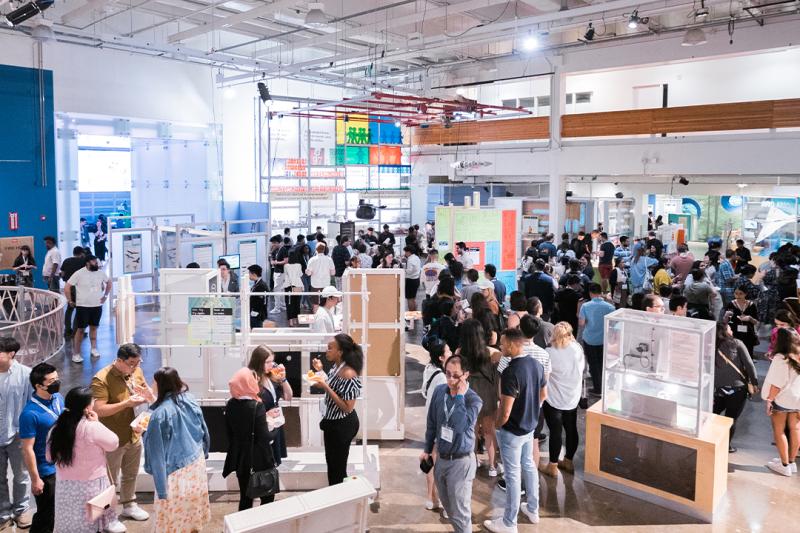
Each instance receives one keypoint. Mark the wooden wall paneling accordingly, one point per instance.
(635, 122)
(474, 132)
(716, 117)
(786, 113)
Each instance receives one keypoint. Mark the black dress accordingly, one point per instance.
(744, 330)
(279, 440)
(246, 423)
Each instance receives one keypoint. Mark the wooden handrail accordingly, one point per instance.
(766, 114)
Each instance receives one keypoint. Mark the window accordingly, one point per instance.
(527, 103)
(511, 102)
(544, 101)
(583, 98)
(104, 163)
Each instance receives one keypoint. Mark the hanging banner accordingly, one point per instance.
(131, 253)
(211, 320)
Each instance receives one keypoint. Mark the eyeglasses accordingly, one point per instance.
(448, 375)
(129, 364)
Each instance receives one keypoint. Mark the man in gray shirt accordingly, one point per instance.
(452, 415)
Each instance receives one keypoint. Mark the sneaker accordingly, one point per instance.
(95, 353)
(492, 471)
(134, 512)
(497, 526)
(780, 469)
(501, 483)
(115, 527)
(444, 515)
(532, 516)
(24, 520)
(501, 469)
(77, 358)
(792, 465)
(430, 505)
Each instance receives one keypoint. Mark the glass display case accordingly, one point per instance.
(659, 369)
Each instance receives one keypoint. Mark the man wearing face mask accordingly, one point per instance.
(120, 391)
(91, 291)
(258, 303)
(38, 416)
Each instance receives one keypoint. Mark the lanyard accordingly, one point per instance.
(446, 412)
(43, 406)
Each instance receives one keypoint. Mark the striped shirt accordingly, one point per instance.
(346, 389)
(531, 350)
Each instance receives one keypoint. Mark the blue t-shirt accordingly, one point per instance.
(35, 422)
(522, 379)
(593, 312)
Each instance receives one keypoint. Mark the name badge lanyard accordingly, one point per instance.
(448, 413)
(43, 406)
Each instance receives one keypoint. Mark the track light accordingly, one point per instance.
(530, 43)
(619, 195)
(569, 193)
(263, 93)
(702, 12)
(694, 37)
(589, 35)
(634, 20)
(21, 14)
(683, 181)
(316, 16)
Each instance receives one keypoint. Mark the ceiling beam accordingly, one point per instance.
(229, 21)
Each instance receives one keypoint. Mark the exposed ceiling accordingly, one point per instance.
(372, 43)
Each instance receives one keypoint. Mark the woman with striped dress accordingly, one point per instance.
(339, 423)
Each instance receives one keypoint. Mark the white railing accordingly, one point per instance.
(34, 317)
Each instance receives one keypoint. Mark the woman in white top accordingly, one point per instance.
(432, 377)
(320, 269)
(293, 271)
(781, 391)
(564, 388)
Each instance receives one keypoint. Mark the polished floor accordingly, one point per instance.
(757, 500)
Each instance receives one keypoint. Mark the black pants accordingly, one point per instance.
(293, 309)
(731, 404)
(594, 356)
(244, 501)
(68, 316)
(557, 420)
(44, 518)
(337, 435)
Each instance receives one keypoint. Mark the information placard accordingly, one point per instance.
(203, 255)
(211, 320)
(248, 254)
(131, 253)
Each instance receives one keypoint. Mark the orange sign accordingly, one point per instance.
(509, 245)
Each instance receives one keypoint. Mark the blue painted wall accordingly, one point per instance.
(21, 187)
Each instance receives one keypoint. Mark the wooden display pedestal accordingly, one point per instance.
(677, 471)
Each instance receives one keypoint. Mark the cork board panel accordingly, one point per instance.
(383, 358)
(384, 298)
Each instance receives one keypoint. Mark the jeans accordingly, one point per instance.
(127, 459)
(454, 483)
(594, 356)
(337, 436)
(730, 404)
(44, 518)
(12, 453)
(517, 451)
(279, 301)
(558, 419)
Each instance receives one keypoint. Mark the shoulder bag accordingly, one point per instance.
(752, 389)
(107, 499)
(263, 483)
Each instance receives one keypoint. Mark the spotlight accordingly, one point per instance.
(619, 195)
(569, 193)
(21, 14)
(316, 17)
(702, 12)
(683, 181)
(694, 37)
(589, 35)
(263, 92)
(397, 123)
(530, 43)
(634, 20)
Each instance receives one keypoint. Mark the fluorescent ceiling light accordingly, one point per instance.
(694, 37)
(316, 16)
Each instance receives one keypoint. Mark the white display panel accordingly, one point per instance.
(104, 164)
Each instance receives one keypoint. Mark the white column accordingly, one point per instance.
(557, 183)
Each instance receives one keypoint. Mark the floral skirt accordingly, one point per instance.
(187, 508)
(70, 508)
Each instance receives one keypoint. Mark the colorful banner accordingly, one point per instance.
(510, 240)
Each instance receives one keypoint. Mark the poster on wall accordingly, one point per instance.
(9, 249)
(211, 320)
(203, 255)
(169, 245)
(131, 253)
(248, 254)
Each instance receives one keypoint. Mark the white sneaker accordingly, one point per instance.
(116, 527)
(792, 465)
(501, 469)
(95, 353)
(497, 526)
(134, 512)
(492, 471)
(430, 506)
(444, 515)
(532, 516)
(778, 468)
(77, 358)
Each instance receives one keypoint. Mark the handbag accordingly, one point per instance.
(107, 499)
(263, 483)
(751, 388)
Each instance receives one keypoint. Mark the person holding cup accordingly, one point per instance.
(273, 388)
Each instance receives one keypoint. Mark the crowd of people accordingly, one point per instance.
(73, 452)
(500, 369)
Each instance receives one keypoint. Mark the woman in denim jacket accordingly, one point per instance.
(175, 449)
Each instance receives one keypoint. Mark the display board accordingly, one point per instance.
(132, 253)
(211, 320)
(384, 290)
(9, 249)
(492, 237)
(384, 358)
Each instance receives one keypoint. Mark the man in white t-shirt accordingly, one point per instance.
(325, 317)
(430, 273)
(52, 263)
(91, 291)
(320, 268)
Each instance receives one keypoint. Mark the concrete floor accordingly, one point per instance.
(757, 500)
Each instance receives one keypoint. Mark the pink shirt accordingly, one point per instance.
(92, 441)
(681, 266)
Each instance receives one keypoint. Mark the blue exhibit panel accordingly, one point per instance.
(509, 278)
(493, 253)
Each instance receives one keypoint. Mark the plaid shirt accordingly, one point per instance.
(725, 278)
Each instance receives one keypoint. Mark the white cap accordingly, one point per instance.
(330, 290)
